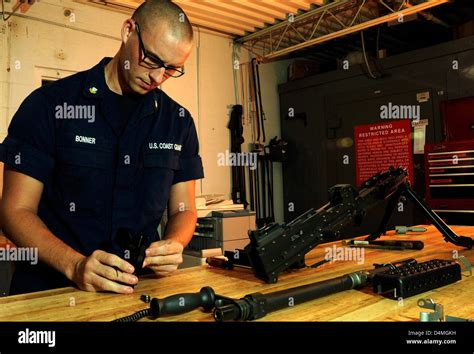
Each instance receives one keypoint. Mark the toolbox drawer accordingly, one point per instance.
(450, 178)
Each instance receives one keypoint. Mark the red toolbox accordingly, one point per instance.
(450, 179)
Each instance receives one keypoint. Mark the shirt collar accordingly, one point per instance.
(95, 86)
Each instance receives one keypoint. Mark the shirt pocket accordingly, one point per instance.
(159, 170)
(83, 179)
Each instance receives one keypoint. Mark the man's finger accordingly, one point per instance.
(163, 269)
(114, 261)
(103, 284)
(115, 275)
(163, 248)
(172, 259)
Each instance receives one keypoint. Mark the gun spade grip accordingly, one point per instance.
(182, 303)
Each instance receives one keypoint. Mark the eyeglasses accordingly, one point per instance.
(153, 62)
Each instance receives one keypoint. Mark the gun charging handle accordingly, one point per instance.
(136, 245)
(182, 303)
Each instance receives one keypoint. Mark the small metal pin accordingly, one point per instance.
(145, 298)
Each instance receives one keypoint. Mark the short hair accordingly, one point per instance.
(152, 12)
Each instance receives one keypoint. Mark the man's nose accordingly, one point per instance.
(156, 76)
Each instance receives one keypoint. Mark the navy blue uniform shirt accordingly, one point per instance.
(97, 179)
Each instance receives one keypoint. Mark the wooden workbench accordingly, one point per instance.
(69, 304)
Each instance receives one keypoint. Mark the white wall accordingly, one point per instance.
(271, 75)
(43, 42)
(206, 90)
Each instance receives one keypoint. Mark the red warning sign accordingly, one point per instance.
(379, 146)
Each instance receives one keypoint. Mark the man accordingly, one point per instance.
(101, 151)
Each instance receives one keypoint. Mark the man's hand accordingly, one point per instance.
(102, 271)
(164, 257)
(18, 211)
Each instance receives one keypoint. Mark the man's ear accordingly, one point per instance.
(127, 29)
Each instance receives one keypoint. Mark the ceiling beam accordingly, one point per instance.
(221, 26)
(229, 9)
(300, 4)
(343, 32)
(281, 6)
(298, 18)
(235, 17)
(258, 6)
(238, 22)
(316, 2)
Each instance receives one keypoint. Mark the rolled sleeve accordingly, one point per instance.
(190, 161)
(29, 146)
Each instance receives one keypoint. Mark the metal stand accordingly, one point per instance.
(448, 234)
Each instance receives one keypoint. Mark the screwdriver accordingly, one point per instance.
(389, 244)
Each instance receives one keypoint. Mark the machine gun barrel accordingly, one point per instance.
(257, 305)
